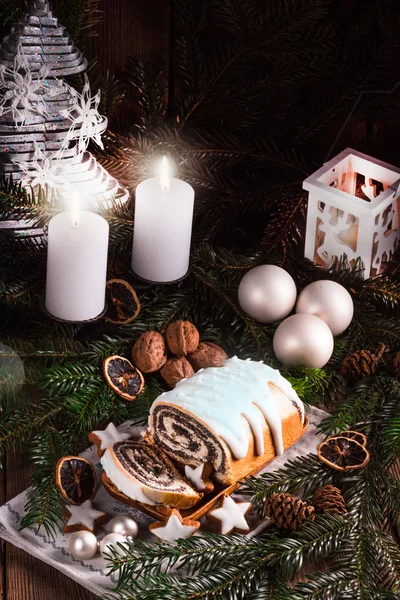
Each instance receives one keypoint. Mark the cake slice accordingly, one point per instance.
(145, 474)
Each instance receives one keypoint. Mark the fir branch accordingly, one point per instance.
(139, 410)
(107, 346)
(70, 378)
(318, 539)
(196, 554)
(323, 586)
(80, 17)
(302, 473)
(44, 506)
(308, 383)
(8, 16)
(210, 555)
(215, 287)
(146, 87)
(93, 408)
(18, 427)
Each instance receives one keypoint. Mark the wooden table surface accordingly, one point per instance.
(23, 577)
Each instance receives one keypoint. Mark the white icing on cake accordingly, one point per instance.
(222, 396)
(124, 482)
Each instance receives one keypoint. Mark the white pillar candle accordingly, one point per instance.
(76, 266)
(163, 228)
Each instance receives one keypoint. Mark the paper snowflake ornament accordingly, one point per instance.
(353, 212)
(175, 528)
(86, 122)
(104, 438)
(230, 516)
(22, 95)
(43, 170)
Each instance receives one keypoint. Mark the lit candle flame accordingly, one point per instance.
(165, 175)
(74, 208)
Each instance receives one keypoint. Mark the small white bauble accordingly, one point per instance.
(125, 525)
(303, 340)
(267, 293)
(83, 544)
(329, 301)
(112, 539)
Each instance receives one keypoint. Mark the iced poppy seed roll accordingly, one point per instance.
(238, 417)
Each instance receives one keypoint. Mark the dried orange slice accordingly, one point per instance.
(122, 377)
(343, 454)
(76, 479)
(123, 305)
(354, 435)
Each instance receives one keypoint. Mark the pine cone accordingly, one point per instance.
(287, 512)
(361, 363)
(328, 499)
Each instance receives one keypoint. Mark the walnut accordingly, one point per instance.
(182, 337)
(149, 352)
(175, 369)
(207, 355)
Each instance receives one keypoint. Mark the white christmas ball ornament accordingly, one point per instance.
(303, 340)
(125, 525)
(112, 539)
(267, 293)
(329, 301)
(83, 545)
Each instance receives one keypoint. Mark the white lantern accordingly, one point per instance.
(353, 212)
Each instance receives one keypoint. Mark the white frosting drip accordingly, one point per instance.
(222, 396)
(124, 482)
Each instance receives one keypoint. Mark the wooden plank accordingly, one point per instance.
(2, 543)
(28, 578)
(131, 28)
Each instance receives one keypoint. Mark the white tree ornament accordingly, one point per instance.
(353, 212)
(44, 170)
(37, 106)
(23, 95)
(86, 122)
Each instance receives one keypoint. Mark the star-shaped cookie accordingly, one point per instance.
(83, 517)
(199, 477)
(230, 516)
(175, 528)
(104, 438)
